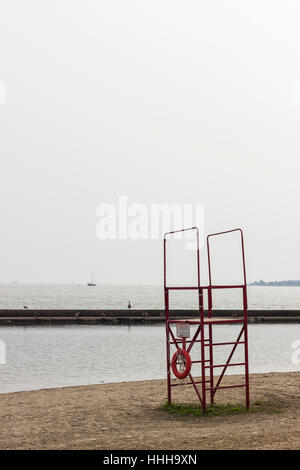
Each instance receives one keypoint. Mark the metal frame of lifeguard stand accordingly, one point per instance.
(200, 386)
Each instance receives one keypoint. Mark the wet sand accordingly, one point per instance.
(128, 415)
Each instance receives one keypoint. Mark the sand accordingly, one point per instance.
(128, 415)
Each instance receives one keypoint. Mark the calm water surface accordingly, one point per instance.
(56, 356)
(142, 297)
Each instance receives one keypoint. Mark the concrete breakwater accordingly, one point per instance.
(131, 316)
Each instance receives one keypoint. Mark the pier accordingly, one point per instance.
(115, 317)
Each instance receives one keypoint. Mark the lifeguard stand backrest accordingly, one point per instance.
(226, 258)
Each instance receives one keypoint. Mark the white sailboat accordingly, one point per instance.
(92, 282)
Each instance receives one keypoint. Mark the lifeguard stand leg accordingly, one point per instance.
(246, 350)
(166, 295)
(210, 336)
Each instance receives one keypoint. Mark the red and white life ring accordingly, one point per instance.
(181, 363)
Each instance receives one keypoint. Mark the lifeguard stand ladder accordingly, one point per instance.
(206, 384)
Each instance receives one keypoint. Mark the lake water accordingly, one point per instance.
(73, 296)
(57, 356)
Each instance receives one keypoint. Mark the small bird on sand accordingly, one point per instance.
(25, 306)
(129, 304)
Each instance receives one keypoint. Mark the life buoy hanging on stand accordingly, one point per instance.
(181, 363)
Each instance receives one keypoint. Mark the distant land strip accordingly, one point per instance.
(293, 283)
(133, 316)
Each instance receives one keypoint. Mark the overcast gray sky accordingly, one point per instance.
(162, 101)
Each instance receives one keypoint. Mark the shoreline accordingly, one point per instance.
(63, 387)
(128, 415)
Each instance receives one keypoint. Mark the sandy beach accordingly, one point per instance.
(128, 415)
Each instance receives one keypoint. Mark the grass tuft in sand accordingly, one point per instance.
(192, 409)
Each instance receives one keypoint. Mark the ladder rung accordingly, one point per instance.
(227, 365)
(187, 342)
(188, 383)
(224, 344)
(225, 386)
(195, 362)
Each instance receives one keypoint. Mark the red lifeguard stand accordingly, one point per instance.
(181, 363)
